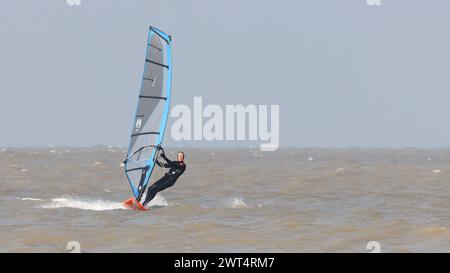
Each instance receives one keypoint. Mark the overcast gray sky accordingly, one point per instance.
(344, 73)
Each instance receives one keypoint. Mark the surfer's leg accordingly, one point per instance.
(151, 193)
(156, 187)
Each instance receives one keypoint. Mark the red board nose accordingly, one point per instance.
(133, 204)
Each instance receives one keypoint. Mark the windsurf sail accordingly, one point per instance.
(149, 122)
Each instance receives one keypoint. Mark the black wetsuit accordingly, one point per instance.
(176, 169)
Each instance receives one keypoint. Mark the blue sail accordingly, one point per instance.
(150, 120)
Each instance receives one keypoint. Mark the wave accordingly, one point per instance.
(29, 199)
(96, 205)
(239, 203)
(85, 204)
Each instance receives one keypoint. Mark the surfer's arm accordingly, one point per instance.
(169, 162)
(166, 165)
(162, 164)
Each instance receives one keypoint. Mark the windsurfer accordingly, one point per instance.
(176, 169)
